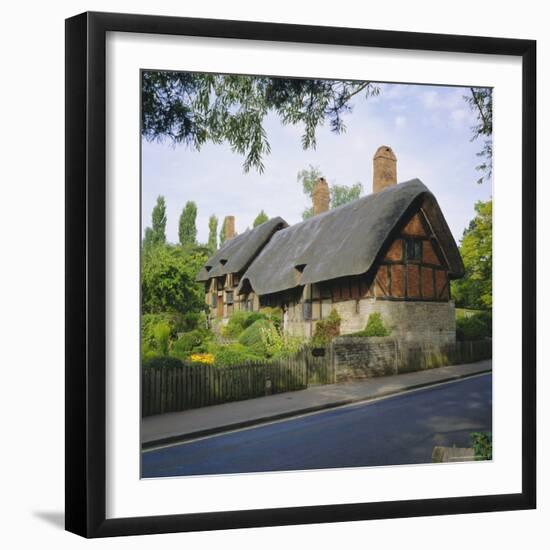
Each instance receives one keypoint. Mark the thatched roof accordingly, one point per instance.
(345, 241)
(237, 253)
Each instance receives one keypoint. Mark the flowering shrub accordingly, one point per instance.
(193, 342)
(207, 358)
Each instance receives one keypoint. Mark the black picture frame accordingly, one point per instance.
(86, 273)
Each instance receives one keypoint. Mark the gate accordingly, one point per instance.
(319, 365)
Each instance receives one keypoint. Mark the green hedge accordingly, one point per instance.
(475, 327)
(239, 321)
(232, 354)
(161, 361)
(251, 337)
(194, 341)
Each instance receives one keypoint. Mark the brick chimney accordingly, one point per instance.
(229, 225)
(320, 196)
(384, 171)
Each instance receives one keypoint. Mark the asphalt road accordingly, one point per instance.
(398, 430)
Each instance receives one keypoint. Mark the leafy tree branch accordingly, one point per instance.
(195, 108)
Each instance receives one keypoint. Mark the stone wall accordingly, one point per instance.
(419, 322)
(356, 357)
(411, 321)
(360, 357)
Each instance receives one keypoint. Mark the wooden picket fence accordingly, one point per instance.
(171, 389)
(420, 358)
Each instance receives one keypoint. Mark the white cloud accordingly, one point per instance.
(458, 116)
(430, 99)
(400, 121)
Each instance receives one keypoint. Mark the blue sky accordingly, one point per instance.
(428, 127)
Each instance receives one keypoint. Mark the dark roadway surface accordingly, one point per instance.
(397, 430)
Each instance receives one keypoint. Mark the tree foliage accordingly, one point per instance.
(222, 234)
(260, 218)
(475, 289)
(342, 194)
(213, 233)
(187, 229)
(339, 194)
(308, 178)
(156, 234)
(480, 101)
(168, 280)
(195, 108)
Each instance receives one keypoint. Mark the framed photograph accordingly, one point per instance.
(300, 280)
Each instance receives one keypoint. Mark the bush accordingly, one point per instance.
(475, 327)
(232, 354)
(483, 445)
(175, 321)
(239, 321)
(273, 314)
(191, 321)
(195, 341)
(161, 333)
(161, 362)
(326, 329)
(279, 345)
(375, 326)
(252, 338)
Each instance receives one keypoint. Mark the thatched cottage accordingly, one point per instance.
(389, 252)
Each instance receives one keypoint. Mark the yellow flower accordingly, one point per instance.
(207, 358)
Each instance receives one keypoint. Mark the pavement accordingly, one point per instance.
(191, 424)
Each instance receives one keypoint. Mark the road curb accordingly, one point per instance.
(181, 438)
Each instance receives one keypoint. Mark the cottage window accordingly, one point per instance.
(214, 301)
(414, 250)
(247, 303)
(229, 297)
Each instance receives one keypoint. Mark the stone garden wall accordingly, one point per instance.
(361, 357)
